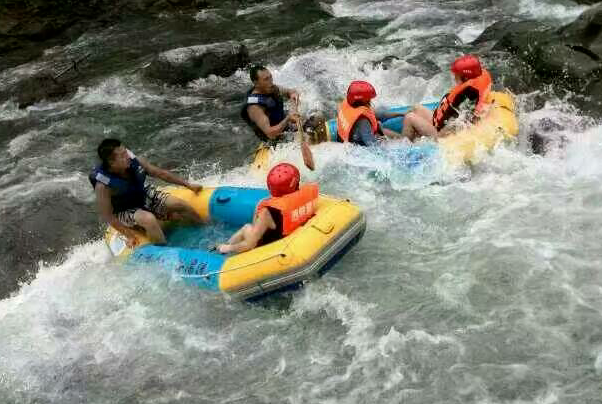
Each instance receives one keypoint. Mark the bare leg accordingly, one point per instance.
(249, 235)
(423, 112)
(240, 234)
(181, 210)
(151, 226)
(415, 126)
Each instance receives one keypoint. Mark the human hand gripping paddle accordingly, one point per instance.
(308, 158)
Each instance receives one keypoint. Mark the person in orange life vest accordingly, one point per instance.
(289, 207)
(357, 122)
(264, 110)
(472, 83)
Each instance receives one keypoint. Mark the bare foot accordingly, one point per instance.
(223, 248)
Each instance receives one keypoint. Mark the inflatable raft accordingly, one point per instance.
(309, 251)
(466, 146)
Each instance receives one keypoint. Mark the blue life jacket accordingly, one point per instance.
(125, 194)
(273, 106)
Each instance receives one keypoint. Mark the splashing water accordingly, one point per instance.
(480, 285)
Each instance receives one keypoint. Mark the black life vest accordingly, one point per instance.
(125, 193)
(272, 104)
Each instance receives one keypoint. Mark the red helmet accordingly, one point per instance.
(468, 67)
(360, 91)
(283, 179)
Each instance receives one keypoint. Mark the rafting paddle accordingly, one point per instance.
(308, 158)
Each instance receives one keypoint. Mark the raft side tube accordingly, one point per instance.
(310, 267)
(394, 124)
(196, 267)
(234, 205)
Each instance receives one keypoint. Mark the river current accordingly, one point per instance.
(481, 285)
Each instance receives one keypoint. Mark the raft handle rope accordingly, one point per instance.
(280, 254)
(207, 275)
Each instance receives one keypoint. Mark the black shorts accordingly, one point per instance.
(154, 202)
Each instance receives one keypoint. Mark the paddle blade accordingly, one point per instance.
(308, 157)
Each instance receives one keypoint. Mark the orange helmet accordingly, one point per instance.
(283, 179)
(468, 67)
(360, 91)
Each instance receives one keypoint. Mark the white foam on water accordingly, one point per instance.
(26, 179)
(324, 75)
(10, 111)
(116, 91)
(370, 10)
(89, 312)
(269, 6)
(12, 75)
(450, 283)
(386, 358)
(17, 145)
(471, 32)
(550, 10)
(209, 15)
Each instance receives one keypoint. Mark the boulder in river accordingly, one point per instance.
(182, 65)
(40, 86)
(570, 57)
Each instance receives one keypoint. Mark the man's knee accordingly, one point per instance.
(410, 118)
(176, 204)
(145, 219)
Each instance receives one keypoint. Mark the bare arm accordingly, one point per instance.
(105, 210)
(290, 93)
(257, 115)
(166, 175)
(390, 133)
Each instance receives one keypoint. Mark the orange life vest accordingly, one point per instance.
(348, 116)
(296, 208)
(482, 84)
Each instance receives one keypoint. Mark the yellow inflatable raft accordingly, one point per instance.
(466, 146)
(308, 251)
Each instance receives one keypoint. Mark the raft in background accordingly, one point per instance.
(467, 146)
(309, 251)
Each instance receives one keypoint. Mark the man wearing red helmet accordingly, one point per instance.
(289, 207)
(264, 107)
(356, 119)
(473, 83)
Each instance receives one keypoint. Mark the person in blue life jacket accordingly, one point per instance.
(125, 200)
(264, 110)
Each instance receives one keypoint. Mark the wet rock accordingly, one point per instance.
(40, 86)
(499, 29)
(568, 57)
(512, 73)
(586, 32)
(387, 62)
(544, 135)
(29, 27)
(426, 68)
(182, 65)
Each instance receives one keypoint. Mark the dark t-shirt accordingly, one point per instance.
(469, 96)
(361, 133)
(272, 235)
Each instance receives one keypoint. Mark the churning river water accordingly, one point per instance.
(477, 286)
